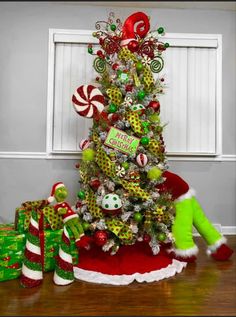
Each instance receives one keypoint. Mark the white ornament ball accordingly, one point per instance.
(111, 203)
(138, 107)
(84, 144)
(142, 159)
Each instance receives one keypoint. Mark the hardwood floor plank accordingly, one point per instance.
(204, 288)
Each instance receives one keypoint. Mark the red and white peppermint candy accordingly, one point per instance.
(84, 144)
(142, 159)
(88, 101)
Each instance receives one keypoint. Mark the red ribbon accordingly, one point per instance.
(41, 236)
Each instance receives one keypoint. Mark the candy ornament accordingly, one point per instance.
(84, 144)
(88, 101)
(111, 204)
(142, 159)
(135, 24)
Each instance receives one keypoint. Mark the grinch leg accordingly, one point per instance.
(216, 242)
(64, 274)
(182, 228)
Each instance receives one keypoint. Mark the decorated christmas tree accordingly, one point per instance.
(121, 198)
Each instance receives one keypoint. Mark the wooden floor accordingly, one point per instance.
(204, 288)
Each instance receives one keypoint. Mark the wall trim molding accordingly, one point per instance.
(77, 155)
(225, 230)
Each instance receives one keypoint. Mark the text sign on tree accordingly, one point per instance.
(118, 139)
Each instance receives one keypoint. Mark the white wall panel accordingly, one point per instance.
(188, 106)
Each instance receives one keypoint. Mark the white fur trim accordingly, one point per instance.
(34, 275)
(213, 247)
(65, 256)
(98, 277)
(61, 281)
(185, 253)
(33, 248)
(51, 199)
(34, 223)
(189, 194)
(70, 217)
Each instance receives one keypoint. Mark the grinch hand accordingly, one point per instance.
(72, 230)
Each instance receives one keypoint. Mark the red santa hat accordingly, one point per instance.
(54, 188)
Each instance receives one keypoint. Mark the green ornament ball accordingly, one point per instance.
(88, 155)
(81, 194)
(161, 236)
(141, 95)
(166, 44)
(144, 140)
(154, 173)
(160, 30)
(112, 108)
(139, 66)
(125, 165)
(113, 27)
(138, 216)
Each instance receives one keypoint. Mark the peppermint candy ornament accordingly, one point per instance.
(84, 144)
(88, 101)
(142, 159)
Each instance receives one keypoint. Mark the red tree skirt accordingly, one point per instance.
(130, 263)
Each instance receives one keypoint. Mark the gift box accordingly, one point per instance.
(12, 245)
(48, 217)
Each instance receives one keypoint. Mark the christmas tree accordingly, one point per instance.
(121, 197)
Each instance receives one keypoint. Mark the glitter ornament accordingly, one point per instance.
(155, 105)
(100, 237)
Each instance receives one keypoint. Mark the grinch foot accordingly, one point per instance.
(223, 253)
(189, 259)
(188, 255)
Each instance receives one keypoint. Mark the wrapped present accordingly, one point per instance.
(49, 219)
(12, 246)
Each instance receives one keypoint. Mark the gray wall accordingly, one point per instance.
(23, 101)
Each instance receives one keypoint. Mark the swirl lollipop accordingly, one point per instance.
(88, 101)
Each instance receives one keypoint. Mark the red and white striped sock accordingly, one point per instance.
(32, 271)
(64, 274)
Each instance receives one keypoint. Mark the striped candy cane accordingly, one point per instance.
(32, 271)
(64, 274)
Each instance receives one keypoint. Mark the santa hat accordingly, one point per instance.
(54, 188)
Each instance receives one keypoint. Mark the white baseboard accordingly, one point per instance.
(225, 230)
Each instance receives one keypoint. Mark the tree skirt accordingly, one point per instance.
(130, 263)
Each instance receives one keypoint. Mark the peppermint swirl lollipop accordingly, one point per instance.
(88, 101)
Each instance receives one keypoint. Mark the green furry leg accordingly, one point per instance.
(203, 225)
(182, 228)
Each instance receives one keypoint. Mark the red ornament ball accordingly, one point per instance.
(128, 88)
(100, 237)
(133, 46)
(146, 237)
(95, 183)
(113, 117)
(155, 105)
(115, 66)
